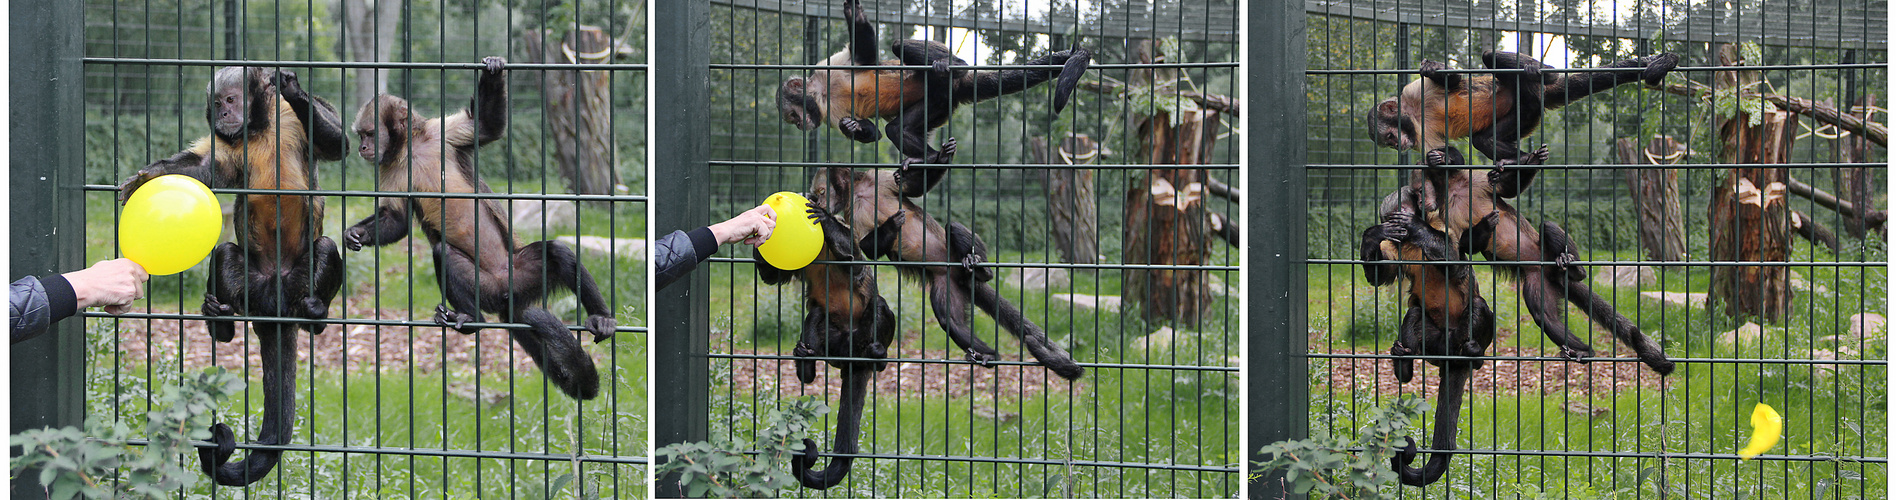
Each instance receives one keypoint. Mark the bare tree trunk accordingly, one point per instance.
(1853, 184)
(1750, 218)
(578, 107)
(1165, 210)
(369, 33)
(1656, 196)
(1072, 213)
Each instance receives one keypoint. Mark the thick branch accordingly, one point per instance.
(1874, 132)
(1220, 189)
(1830, 201)
(1219, 103)
(1811, 230)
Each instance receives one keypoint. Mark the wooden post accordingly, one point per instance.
(1071, 211)
(1750, 218)
(1853, 184)
(578, 106)
(1656, 196)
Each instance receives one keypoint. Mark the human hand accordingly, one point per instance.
(750, 228)
(112, 284)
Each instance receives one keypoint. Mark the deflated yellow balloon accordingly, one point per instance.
(170, 224)
(796, 239)
(1766, 426)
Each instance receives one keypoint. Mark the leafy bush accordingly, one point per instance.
(1326, 466)
(98, 462)
(726, 468)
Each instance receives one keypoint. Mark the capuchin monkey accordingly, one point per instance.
(914, 102)
(476, 262)
(876, 202)
(846, 317)
(1446, 317)
(266, 133)
(1494, 112)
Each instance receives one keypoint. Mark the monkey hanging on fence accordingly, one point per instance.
(478, 266)
(266, 133)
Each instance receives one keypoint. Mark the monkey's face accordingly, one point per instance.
(233, 92)
(797, 105)
(380, 127)
(1389, 128)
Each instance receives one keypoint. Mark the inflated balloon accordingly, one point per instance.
(170, 224)
(1766, 426)
(796, 239)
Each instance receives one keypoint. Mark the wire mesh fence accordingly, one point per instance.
(1709, 211)
(1080, 234)
(387, 402)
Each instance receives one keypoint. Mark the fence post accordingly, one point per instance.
(47, 214)
(680, 151)
(1277, 385)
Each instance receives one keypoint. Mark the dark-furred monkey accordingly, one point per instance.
(845, 317)
(266, 133)
(915, 102)
(477, 264)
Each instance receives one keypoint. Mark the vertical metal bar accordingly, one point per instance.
(47, 233)
(680, 150)
(1274, 272)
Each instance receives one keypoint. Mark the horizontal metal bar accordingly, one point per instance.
(1609, 263)
(1608, 166)
(1659, 455)
(995, 166)
(1780, 67)
(422, 452)
(932, 361)
(1032, 461)
(1048, 265)
(334, 321)
(357, 64)
(980, 67)
(1762, 361)
(630, 198)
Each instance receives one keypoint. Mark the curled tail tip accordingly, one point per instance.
(1067, 370)
(1661, 365)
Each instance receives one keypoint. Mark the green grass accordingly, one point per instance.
(1704, 408)
(403, 409)
(1142, 416)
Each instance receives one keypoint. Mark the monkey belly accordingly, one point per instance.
(882, 93)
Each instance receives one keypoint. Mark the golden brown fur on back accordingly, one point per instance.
(275, 223)
(1453, 114)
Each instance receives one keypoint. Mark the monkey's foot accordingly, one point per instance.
(494, 64)
(876, 350)
(981, 358)
(1571, 272)
(314, 308)
(601, 326)
(947, 152)
(806, 369)
(941, 66)
(222, 330)
(1435, 158)
(1576, 355)
(1432, 70)
(448, 317)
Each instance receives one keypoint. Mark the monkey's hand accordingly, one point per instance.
(1395, 227)
(806, 369)
(852, 10)
(1405, 368)
(447, 316)
(859, 130)
(495, 64)
(1575, 355)
(354, 237)
(288, 87)
(1432, 70)
(1435, 158)
(601, 326)
(1656, 70)
(818, 213)
(982, 358)
(223, 331)
(131, 184)
(941, 66)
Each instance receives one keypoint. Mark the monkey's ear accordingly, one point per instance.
(394, 127)
(1388, 108)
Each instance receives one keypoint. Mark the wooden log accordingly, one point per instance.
(1656, 196)
(1072, 211)
(578, 113)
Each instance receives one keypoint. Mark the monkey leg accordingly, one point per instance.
(914, 181)
(1030, 334)
(456, 273)
(1576, 86)
(848, 424)
(967, 248)
(1543, 302)
(317, 280)
(225, 289)
(1448, 404)
(1409, 337)
(277, 346)
(883, 239)
(557, 352)
(1554, 240)
(1623, 329)
(563, 266)
(950, 303)
(862, 35)
(815, 332)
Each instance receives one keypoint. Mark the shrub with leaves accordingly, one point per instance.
(739, 468)
(98, 462)
(1327, 466)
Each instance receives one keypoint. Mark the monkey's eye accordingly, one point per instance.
(230, 99)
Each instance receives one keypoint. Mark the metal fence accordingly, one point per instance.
(388, 402)
(1155, 413)
(1536, 424)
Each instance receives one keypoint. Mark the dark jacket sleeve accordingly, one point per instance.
(35, 304)
(678, 253)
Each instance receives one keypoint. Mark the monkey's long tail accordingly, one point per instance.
(1447, 415)
(991, 84)
(277, 342)
(1623, 329)
(1030, 335)
(848, 423)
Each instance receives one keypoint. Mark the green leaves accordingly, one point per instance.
(77, 463)
(1326, 467)
(739, 468)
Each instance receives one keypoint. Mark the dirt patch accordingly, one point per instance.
(1497, 376)
(931, 379)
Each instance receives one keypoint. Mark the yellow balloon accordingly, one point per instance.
(170, 224)
(1766, 426)
(796, 239)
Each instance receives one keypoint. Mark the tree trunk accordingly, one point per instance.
(1853, 184)
(1750, 218)
(578, 107)
(1072, 213)
(369, 33)
(1656, 196)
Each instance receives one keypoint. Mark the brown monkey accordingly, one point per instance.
(478, 266)
(266, 133)
(871, 200)
(847, 318)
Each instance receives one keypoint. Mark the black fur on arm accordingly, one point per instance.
(186, 162)
(327, 138)
(388, 224)
(490, 99)
(862, 35)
